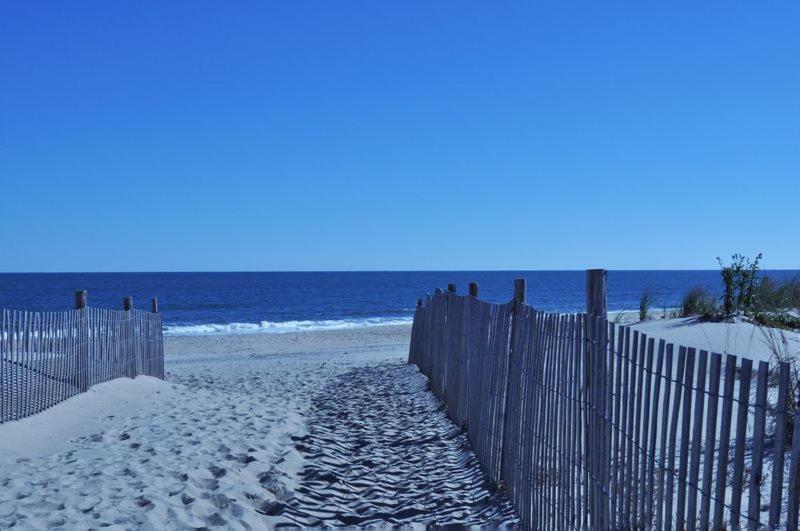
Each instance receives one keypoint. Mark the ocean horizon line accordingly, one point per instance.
(363, 271)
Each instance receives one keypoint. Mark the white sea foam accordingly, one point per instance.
(269, 327)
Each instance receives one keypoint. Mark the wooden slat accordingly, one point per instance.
(617, 364)
(536, 451)
(737, 479)
(540, 447)
(663, 447)
(629, 474)
(757, 457)
(683, 458)
(575, 424)
(20, 363)
(793, 494)
(566, 442)
(645, 485)
(551, 413)
(605, 346)
(711, 434)
(5, 372)
(675, 428)
(43, 357)
(624, 362)
(557, 466)
(25, 401)
(724, 441)
(652, 447)
(781, 416)
(591, 423)
(697, 441)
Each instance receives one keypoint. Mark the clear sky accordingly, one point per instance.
(397, 135)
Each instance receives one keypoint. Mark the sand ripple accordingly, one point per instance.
(379, 450)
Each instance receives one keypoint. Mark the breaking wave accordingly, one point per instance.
(269, 327)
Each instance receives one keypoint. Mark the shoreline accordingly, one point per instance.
(281, 327)
(318, 325)
(742, 339)
(386, 338)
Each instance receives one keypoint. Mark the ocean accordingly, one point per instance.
(245, 302)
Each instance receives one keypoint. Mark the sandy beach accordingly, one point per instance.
(223, 223)
(249, 432)
(252, 431)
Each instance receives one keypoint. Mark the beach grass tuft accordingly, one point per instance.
(645, 301)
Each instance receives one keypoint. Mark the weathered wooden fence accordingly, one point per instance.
(47, 357)
(589, 424)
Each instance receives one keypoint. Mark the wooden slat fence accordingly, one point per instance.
(589, 424)
(47, 357)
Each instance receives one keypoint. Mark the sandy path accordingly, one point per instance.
(380, 450)
(221, 443)
(191, 461)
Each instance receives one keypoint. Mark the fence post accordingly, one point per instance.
(159, 339)
(519, 292)
(80, 299)
(473, 289)
(149, 358)
(130, 351)
(596, 292)
(82, 350)
(596, 344)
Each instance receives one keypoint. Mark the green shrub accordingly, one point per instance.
(729, 290)
(739, 280)
(698, 302)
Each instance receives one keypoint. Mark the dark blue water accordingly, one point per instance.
(265, 302)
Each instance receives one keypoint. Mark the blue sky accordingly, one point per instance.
(384, 135)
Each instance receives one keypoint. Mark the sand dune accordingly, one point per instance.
(740, 338)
